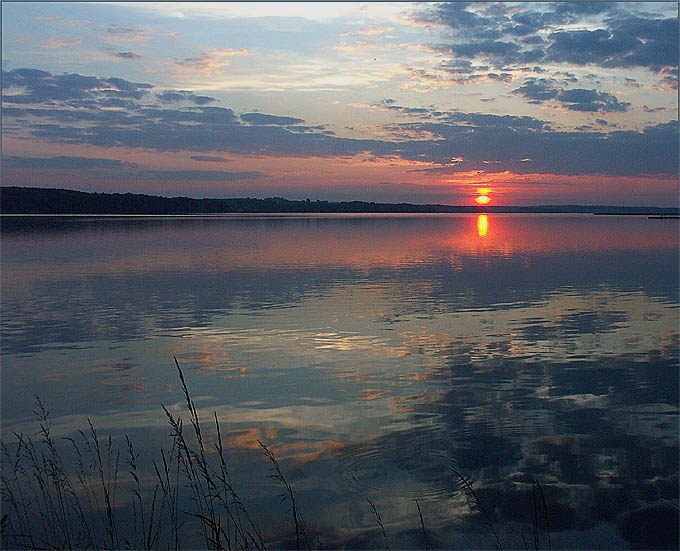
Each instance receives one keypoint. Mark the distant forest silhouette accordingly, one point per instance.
(24, 200)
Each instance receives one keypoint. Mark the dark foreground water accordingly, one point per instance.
(376, 356)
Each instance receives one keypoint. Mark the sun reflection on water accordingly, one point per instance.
(482, 225)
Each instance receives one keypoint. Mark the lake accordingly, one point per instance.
(514, 377)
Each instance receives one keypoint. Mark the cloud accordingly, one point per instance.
(42, 87)
(121, 55)
(630, 42)
(573, 10)
(434, 136)
(457, 16)
(502, 77)
(580, 99)
(390, 105)
(132, 170)
(229, 52)
(209, 159)
(669, 77)
(125, 33)
(198, 175)
(125, 55)
(64, 162)
(652, 151)
(487, 48)
(208, 63)
(575, 99)
(262, 119)
(53, 44)
(460, 67)
(176, 96)
(373, 31)
(509, 35)
(308, 128)
(538, 90)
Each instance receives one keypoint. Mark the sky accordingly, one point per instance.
(524, 103)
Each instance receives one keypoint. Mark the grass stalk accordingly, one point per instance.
(422, 527)
(380, 523)
(300, 529)
(545, 514)
(478, 502)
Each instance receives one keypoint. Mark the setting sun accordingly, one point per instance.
(482, 199)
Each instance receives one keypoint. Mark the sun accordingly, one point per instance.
(482, 199)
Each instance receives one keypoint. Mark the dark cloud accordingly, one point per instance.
(175, 96)
(653, 151)
(580, 99)
(575, 99)
(216, 175)
(457, 16)
(502, 77)
(127, 55)
(131, 169)
(392, 106)
(487, 48)
(629, 42)
(121, 55)
(533, 40)
(509, 37)
(538, 90)
(216, 116)
(473, 137)
(460, 67)
(65, 116)
(63, 162)
(43, 87)
(308, 128)
(583, 8)
(262, 119)
(669, 76)
(462, 71)
(483, 120)
(126, 32)
(209, 159)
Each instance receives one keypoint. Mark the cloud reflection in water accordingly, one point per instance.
(373, 354)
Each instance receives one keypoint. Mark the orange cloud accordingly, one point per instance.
(372, 31)
(208, 63)
(230, 52)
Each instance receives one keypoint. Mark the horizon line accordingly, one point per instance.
(341, 201)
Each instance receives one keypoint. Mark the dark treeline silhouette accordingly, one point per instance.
(23, 200)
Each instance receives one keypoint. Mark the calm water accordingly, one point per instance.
(375, 355)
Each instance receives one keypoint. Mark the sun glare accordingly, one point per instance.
(482, 199)
(482, 225)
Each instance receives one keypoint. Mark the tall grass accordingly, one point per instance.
(55, 502)
(55, 499)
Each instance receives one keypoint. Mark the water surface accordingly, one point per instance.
(377, 356)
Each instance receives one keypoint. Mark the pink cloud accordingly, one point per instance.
(208, 63)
